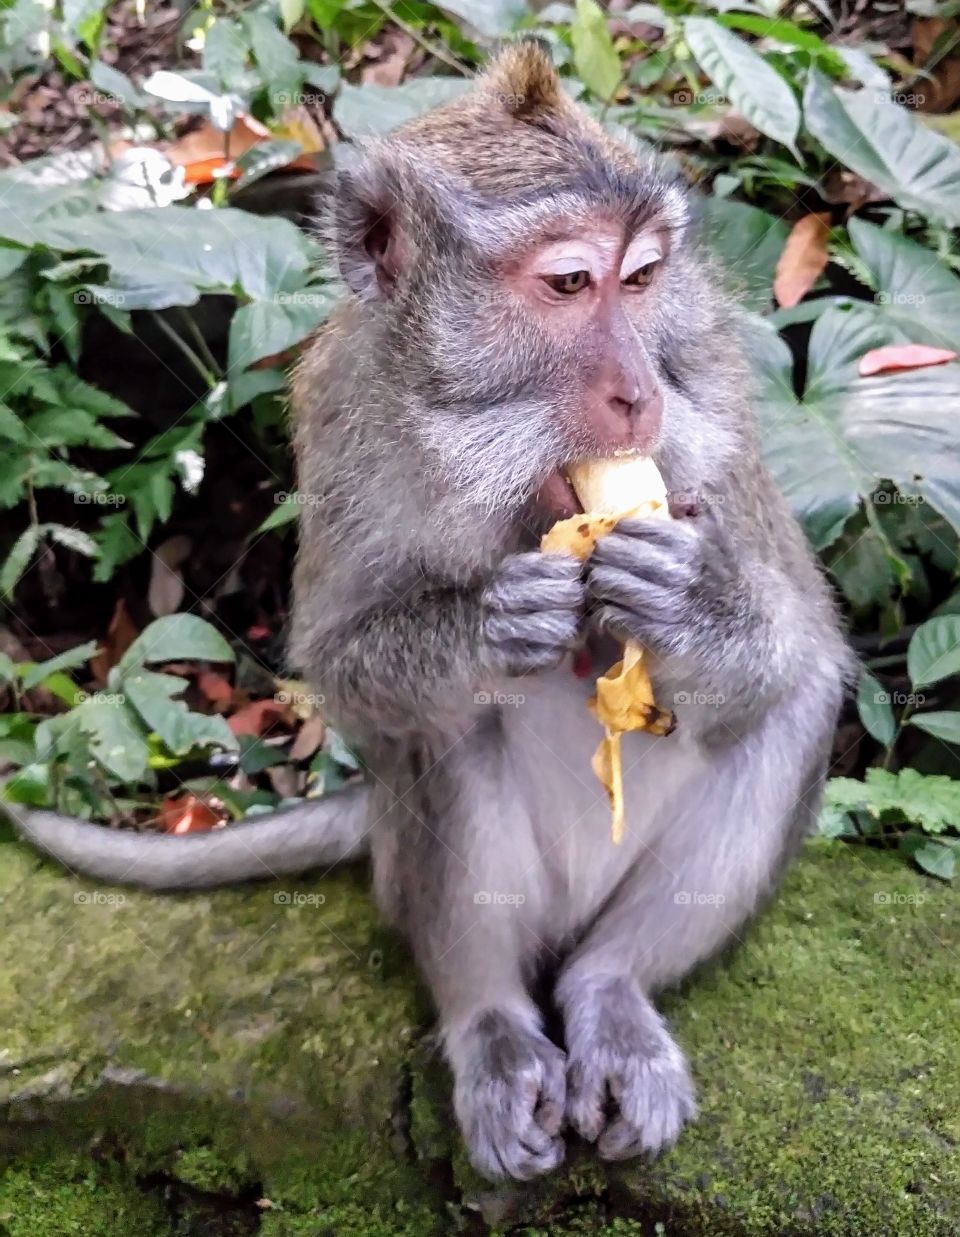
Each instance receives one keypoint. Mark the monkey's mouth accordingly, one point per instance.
(557, 497)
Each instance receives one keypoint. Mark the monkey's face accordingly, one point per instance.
(534, 354)
(523, 331)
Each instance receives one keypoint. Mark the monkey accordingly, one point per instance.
(522, 290)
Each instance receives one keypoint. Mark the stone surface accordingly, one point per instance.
(259, 1061)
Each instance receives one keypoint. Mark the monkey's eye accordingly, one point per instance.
(642, 277)
(568, 284)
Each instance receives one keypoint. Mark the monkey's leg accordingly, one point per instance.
(718, 854)
(465, 885)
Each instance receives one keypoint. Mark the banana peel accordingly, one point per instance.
(612, 490)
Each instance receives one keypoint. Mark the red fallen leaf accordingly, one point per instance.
(215, 687)
(803, 259)
(205, 171)
(259, 716)
(120, 635)
(188, 814)
(902, 356)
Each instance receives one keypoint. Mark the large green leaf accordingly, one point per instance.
(115, 734)
(491, 18)
(884, 143)
(917, 294)
(362, 111)
(594, 54)
(212, 250)
(266, 328)
(152, 695)
(942, 724)
(934, 651)
(830, 449)
(749, 242)
(175, 637)
(758, 91)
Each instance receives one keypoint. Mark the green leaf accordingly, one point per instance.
(181, 730)
(594, 54)
(491, 18)
(928, 800)
(116, 737)
(266, 328)
(212, 250)
(264, 158)
(943, 725)
(284, 513)
(290, 13)
(937, 858)
(225, 51)
(18, 559)
(831, 449)
(276, 57)
(363, 111)
(782, 30)
(71, 659)
(873, 705)
(757, 91)
(749, 243)
(934, 650)
(916, 293)
(176, 637)
(883, 142)
(112, 82)
(29, 785)
(72, 538)
(117, 545)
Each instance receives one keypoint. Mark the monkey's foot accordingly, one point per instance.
(620, 1050)
(509, 1097)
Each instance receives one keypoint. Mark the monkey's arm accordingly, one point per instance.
(420, 657)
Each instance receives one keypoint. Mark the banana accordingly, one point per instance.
(610, 490)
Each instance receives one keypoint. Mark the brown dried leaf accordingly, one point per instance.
(803, 260)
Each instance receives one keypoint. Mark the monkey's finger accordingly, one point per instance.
(659, 532)
(532, 582)
(638, 597)
(675, 564)
(548, 1113)
(550, 629)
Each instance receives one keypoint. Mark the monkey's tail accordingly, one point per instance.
(318, 832)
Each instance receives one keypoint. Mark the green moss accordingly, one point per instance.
(244, 1047)
(75, 1197)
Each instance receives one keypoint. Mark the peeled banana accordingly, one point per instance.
(610, 490)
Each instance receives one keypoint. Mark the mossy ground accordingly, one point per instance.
(240, 1062)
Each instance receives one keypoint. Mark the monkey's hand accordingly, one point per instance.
(532, 612)
(650, 580)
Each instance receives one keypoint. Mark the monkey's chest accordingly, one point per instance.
(551, 738)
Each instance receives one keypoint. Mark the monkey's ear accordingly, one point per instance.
(370, 247)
